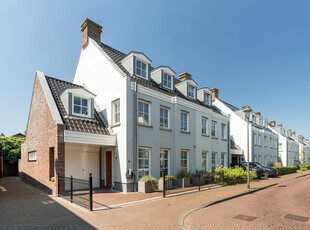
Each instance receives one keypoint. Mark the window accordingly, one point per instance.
(271, 142)
(32, 156)
(207, 98)
(184, 121)
(143, 161)
(260, 122)
(191, 91)
(265, 141)
(51, 163)
(254, 119)
(184, 154)
(213, 129)
(167, 81)
(213, 161)
(164, 118)
(204, 155)
(116, 111)
(164, 153)
(222, 159)
(255, 139)
(223, 131)
(259, 140)
(204, 124)
(141, 69)
(80, 106)
(144, 112)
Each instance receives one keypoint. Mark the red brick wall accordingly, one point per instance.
(42, 133)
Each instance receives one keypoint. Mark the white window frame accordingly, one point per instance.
(32, 156)
(255, 139)
(141, 69)
(206, 128)
(143, 113)
(168, 161)
(265, 141)
(88, 106)
(215, 129)
(204, 160)
(114, 112)
(223, 160)
(215, 160)
(259, 140)
(161, 117)
(182, 121)
(149, 150)
(190, 87)
(183, 159)
(207, 98)
(166, 78)
(223, 131)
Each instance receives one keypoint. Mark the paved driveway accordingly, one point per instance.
(286, 206)
(24, 207)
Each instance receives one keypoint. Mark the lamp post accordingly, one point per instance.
(247, 110)
(1, 156)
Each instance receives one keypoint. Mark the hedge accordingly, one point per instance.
(229, 176)
(286, 169)
(307, 166)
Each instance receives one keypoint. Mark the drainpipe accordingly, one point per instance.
(228, 142)
(134, 87)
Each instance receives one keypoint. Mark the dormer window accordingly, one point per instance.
(254, 119)
(207, 99)
(167, 80)
(191, 91)
(80, 106)
(141, 69)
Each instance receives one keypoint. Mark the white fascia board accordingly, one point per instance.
(205, 89)
(49, 98)
(180, 101)
(166, 69)
(139, 55)
(90, 138)
(236, 152)
(94, 43)
(78, 90)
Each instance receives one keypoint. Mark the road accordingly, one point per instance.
(285, 206)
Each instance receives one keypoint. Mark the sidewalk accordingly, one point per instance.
(164, 213)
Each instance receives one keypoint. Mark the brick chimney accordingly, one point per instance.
(90, 29)
(185, 76)
(293, 133)
(279, 125)
(273, 123)
(257, 113)
(215, 93)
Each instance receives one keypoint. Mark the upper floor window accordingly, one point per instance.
(223, 131)
(207, 99)
(32, 156)
(204, 124)
(141, 69)
(184, 121)
(254, 119)
(191, 91)
(167, 81)
(260, 122)
(259, 140)
(164, 117)
(80, 106)
(213, 129)
(265, 141)
(255, 139)
(116, 111)
(144, 112)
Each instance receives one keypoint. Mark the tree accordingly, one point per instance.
(11, 148)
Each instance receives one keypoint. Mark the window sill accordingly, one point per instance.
(186, 132)
(205, 135)
(145, 125)
(223, 139)
(32, 160)
(215, 138)
(165, 129)
(115, 125)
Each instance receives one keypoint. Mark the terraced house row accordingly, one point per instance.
(123, 118)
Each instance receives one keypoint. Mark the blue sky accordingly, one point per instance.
(254, 52)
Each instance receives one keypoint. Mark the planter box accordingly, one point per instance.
(161, 185)
(196, 180)
(183, 182)
(145, 187)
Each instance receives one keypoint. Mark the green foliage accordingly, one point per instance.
(168, 177)
(307, 166)
(184, 173)
(53, 179)
(286, 169)
(229, 176)
(275, 165)
(152, 180)
(304, 169)
(11, 148)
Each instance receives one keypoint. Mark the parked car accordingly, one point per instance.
(259, 172)
(269, 171)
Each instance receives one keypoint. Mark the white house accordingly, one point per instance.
(303, 145)
(161, 122)
(263, 142)
(288, 148)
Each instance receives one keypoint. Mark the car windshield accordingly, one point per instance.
(260, 165)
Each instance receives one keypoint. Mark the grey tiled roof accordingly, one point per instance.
(95, 126)
(232, 107)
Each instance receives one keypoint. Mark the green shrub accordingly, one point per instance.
(286, 169)
(229, 176)
(304, 169)
(168, 177)
(307, 166)
(150, 179)
(184, 173)
(275, 165)
(53, 179)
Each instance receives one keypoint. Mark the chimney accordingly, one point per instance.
(273, 123)
(293, 133)
(185, 76)
(279, 125)
(90, 29)
(215, 93)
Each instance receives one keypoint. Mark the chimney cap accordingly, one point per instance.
(257, 113)
(280, 125)
(89, 22)
(185, 76)
(246, 109)
(214, 90)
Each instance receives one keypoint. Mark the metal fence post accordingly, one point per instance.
(71, 188)
(164, 184)
(198, 180)
(90, 192)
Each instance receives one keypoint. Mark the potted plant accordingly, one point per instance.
(147, 184)
(199, 178)
(168, 182)
(183, 178)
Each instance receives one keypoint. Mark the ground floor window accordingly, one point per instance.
(164, 154)
(204, 155)
(143, 161)
(184, 155)
(213, 161)
(223, 159)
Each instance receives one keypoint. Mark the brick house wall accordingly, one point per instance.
(42, 134)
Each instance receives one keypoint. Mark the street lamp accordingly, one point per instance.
(247, 110)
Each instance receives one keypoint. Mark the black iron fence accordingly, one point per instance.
(197, 182)
(77, 191)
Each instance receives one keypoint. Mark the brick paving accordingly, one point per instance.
(268, 208)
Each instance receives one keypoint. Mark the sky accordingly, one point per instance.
(256, 52)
